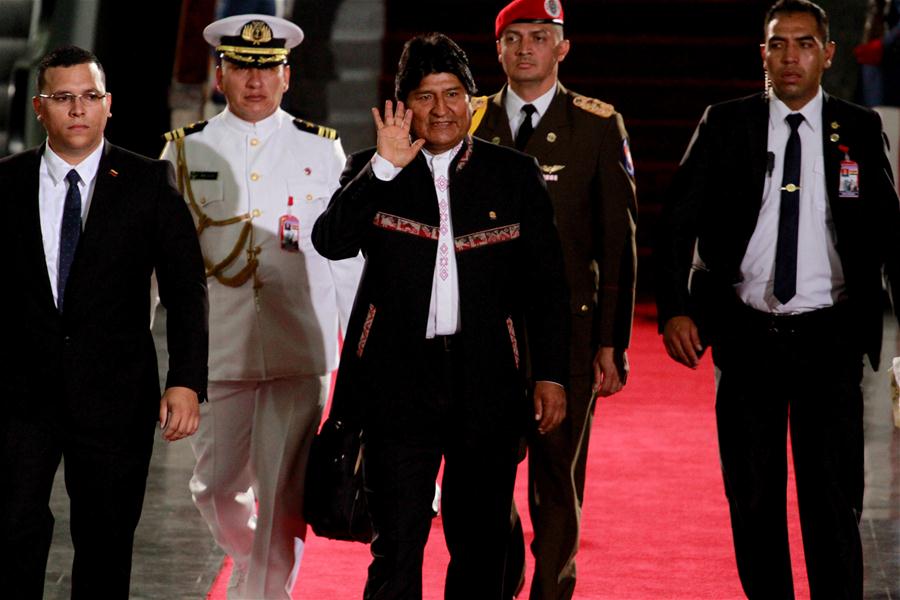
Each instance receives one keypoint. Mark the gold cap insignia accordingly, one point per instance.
(256, 32)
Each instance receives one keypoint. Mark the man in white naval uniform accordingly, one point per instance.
(275, 303)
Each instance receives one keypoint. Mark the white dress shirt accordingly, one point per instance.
(820, 277)
(52, 199)
(514, 106)
(443, 311)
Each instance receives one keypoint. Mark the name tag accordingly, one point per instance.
(208, 175)
(848, 186)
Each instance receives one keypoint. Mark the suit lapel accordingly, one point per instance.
(106, 194)
(757, 144)
(32, 236)
(552, 126)
(830, 150)
(495, 125)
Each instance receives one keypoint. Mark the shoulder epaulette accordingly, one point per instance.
(594, 106)
(478, 105)
(320, 130)
(177, 134)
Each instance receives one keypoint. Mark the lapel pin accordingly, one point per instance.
(492, 215)
(495, 139)
(551, 137)
(834, 137)
(113, 173)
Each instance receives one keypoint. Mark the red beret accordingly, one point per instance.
(529, 11)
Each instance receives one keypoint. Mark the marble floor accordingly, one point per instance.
(175, 557)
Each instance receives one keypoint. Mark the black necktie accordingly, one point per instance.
(526, 128)
(69, 234)
(789, 216)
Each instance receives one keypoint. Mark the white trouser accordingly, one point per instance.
(257, 435)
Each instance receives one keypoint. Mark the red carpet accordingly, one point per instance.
(655, 519)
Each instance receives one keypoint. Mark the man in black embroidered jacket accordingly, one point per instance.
(462, 260)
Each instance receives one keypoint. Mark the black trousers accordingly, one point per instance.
(800, 374)
(401, 466)
(105, 476)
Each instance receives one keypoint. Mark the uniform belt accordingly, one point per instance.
(796, 324)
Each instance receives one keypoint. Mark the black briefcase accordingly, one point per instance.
(334, 498)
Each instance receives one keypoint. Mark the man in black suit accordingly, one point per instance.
(462, 261)
(782, 215)
(87, 224)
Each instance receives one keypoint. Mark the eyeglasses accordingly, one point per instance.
(65, 98)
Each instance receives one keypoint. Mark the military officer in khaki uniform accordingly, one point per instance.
(256, 179)
(582, 148)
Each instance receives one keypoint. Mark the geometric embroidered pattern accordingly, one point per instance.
(512, 339)
(444, 209)
(462, 243)
(487, 237)
(395, 223)
(364, 336)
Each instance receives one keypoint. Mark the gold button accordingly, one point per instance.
(585, 308)
(495, 139)
(835, 125)
(551, 137)
(254, 142)
(254, 176)
(309, 196)
(256, 212)
(834, 137)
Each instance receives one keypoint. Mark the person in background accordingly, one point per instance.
(582, 147)
(879, 54)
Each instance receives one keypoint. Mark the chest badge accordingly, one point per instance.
(551, 172)
(848, 182)
(289, 229)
